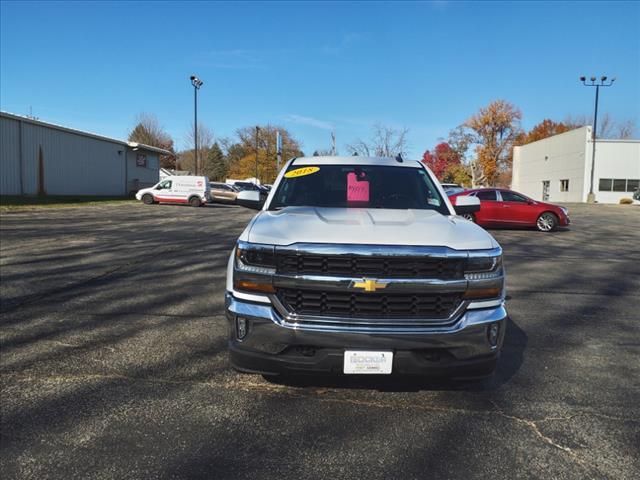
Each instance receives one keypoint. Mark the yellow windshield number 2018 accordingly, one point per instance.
(301, 172)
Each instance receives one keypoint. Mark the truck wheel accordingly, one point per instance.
(547, 222)
(195, 202)
(147, 199)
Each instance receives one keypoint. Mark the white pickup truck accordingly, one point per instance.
(361, 265)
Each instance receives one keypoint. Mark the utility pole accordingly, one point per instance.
(197, 83)
(257, 136)
(333, 143)
(591, 198)
(278, 150)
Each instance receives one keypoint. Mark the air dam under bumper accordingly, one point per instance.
(271, 346)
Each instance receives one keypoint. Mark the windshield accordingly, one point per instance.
(358, 186)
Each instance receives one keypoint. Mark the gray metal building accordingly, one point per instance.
(39, 158)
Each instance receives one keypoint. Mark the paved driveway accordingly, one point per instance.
(113, 362)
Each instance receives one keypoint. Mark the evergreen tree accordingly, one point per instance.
(215, 166)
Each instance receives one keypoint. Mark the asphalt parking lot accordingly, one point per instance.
(113, 362)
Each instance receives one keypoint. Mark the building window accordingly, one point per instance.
(606, 184)
(141, 160)
(619, 185)
(564, 185)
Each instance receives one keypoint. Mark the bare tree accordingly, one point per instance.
(148, 131)
(625, 129)
(385, 141)
(607, 127)
(205, 142)
(205, 136)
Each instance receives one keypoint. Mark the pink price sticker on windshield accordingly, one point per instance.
(357, 189)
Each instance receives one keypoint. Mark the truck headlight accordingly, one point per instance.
(483, 267)
(254, 267)
(485, 275)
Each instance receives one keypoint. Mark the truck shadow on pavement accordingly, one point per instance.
(510, 361)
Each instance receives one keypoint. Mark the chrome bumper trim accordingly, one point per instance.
(267, 312)
(293, 319)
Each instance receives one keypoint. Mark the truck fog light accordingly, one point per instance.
(241, 327)
(492, 334)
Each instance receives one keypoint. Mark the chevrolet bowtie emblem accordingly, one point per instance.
(369, 285)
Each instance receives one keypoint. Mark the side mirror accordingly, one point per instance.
(466, 204)
(250, 199)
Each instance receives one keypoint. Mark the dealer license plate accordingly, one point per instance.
(359, 361)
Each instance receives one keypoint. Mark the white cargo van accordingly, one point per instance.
(177, 189)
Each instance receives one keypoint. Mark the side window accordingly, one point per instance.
(166, 185)
(512, 197)
(487, 195)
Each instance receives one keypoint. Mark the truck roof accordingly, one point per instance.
(355, 160)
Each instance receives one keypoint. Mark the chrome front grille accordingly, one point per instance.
(293, 263)
(385, 305)
(321, 284)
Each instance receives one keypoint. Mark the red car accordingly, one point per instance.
(500, 207)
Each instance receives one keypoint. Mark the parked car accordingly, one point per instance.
(223, 193)
(502, 207)
(358, 265)
(252, 187)
(177, 189)
(246, 186)
(453, 190)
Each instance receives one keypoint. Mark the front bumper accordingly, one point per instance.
(273, 346)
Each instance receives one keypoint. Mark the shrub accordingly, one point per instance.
(626, 201)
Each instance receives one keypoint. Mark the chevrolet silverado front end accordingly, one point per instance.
(384, 280)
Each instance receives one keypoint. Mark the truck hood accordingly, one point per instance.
(366, 226)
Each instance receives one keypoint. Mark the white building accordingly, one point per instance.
(558, 168)
(40, 158)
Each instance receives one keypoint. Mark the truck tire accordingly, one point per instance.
(547, 222)
(195, 202)
(147, 199)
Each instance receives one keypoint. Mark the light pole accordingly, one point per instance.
(591, 198)
(197, 83)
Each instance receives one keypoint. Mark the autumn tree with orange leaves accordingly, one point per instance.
(493, 130)
(545, 129)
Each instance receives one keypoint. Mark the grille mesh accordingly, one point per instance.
(369, 305)
(377, 266)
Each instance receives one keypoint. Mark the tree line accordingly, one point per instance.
(478, 152)
(218, 159)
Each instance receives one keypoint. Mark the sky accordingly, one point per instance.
(315, 67)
